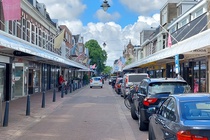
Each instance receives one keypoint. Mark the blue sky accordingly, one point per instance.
(123, 21)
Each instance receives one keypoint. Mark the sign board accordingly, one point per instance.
(177, 67)
(19, 53)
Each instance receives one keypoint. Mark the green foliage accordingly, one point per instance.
(107, 70)
(96, 54)
(129, 61)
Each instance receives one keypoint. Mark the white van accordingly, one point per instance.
(130, 79)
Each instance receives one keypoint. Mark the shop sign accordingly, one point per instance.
(198, 51)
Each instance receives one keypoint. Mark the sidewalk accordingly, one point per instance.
(18, 121)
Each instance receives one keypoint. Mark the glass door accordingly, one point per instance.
(18, 88)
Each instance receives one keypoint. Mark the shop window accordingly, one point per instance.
(203, 76)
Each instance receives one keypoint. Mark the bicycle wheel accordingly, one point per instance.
(127, 103)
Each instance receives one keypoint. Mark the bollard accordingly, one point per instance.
(6, 114)
(66, 89)
(43, 99)
(54, 95)
(69, 88)
(28, 106)
(62, 90)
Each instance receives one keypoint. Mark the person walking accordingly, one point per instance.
(60, 82)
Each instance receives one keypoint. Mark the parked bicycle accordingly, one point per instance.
(128, 98)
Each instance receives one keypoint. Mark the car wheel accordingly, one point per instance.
(101, 86)
(90, 86)
(142, 126)
(133, 112)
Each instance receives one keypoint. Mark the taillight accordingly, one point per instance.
(186, 135)
(148, 101)
(91, 80)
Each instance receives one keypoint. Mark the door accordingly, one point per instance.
(19, 81)
(2, 80)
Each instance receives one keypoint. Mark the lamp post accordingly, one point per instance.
(105, 5)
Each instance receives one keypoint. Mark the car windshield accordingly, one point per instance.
(96, 78)
(167, 87)
(195, 110)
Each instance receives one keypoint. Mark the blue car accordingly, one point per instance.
(181, 117)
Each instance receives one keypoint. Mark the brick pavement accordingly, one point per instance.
(18, 121)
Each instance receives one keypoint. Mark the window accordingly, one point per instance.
(170, 111)
(167, 110)
(196, 110)
(183, 22)
(33, 34)
(163, 107)
(173, 29)
(28, 31)
(164, 16)
(23, 31)
(40, 37)
(198, 13)
(167, 87)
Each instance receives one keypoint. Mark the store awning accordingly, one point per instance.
(190, 45)
(10, 43)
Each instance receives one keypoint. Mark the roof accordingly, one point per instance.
(192, 96)
(165, 80)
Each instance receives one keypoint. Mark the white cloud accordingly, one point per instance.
(103, 16)
(76, 26)
(67, 9)
(115, 37)
(143, 7)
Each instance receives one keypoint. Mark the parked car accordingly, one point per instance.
(131, 79)
(151, 92)
(118, 85)
(96, 82)
(111, 79)
(181, 117)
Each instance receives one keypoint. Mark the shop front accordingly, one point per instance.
(20, 79)
(34, 82)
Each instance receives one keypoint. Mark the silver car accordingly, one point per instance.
(96, 82)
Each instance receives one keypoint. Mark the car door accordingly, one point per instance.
(165, 120)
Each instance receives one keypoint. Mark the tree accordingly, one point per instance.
(107, 70)
(129, 61)
(96, 54)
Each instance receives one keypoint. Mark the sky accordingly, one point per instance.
(121, 23)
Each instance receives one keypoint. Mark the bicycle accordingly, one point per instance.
(128, 98)
(127, 102)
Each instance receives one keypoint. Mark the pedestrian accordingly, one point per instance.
(60, 82)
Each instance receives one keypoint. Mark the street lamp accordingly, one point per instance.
(105, 5)
(104, 44)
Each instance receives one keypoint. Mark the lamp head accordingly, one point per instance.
(105, 5)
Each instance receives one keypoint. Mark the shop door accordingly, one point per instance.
(30, 82)
(18, 88)
(2, 80)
